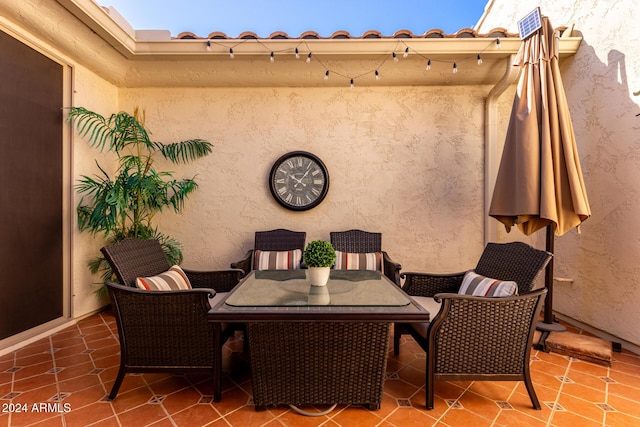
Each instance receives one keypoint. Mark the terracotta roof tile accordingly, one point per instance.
(342, 34)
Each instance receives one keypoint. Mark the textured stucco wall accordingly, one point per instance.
(405, 161)
(101, 96)
(599, 82)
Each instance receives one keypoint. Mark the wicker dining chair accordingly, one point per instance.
(358, 241)
(274, 240)
(165, 330)
(514, 261)
(482, 339)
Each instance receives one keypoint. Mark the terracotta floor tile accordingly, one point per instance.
(465, 417)
(127, 400)
(400, 389)
(585, 391)
(85, 397)
(618, 419)
(247, 416)
(143, 415)
(566, 418)
(624, 405)
(623, 390)
(513, 418)
(34, 370)
(480, 405)
(581, 407)
(181, 400)
(353, 417)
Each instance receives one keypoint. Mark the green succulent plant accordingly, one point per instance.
(319, 253)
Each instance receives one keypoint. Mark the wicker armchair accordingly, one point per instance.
(358, 241)
(515, 261)
(165, 330)
(483, 339)
(274, 240)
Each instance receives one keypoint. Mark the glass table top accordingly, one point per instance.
(349, 288)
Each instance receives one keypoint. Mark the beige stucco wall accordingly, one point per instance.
(100, 96)
(404, 161)
(599, 81)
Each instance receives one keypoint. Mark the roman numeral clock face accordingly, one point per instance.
(299, 180)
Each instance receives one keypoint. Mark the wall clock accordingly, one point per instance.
(299, 180)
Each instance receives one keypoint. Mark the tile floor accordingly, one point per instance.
(62, 380)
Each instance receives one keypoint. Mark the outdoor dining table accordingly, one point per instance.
(316, 345)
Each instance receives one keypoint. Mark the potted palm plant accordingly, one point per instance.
(124, 204)
(319, 256)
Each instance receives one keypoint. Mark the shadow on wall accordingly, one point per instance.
(603, 256)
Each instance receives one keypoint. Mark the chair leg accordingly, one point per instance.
(396, 338)
(217, 363)
(117, 384)
(532, 393)
(428, 388)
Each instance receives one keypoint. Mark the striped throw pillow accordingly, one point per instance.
(171, 280)
(358, 261)
(475, 284)
(277, 260)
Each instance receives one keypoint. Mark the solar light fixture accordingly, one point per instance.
(531, 23)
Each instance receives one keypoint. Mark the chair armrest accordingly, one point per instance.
(427, 284)
(219, 280)
(391, 268)
(245, 263)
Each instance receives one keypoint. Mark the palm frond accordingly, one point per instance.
(185, 151)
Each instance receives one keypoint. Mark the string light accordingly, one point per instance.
(376, 71)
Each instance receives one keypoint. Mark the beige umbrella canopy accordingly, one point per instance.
(539, 181)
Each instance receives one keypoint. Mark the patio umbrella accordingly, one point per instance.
(539, 182)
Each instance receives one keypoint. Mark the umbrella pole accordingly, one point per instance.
(548, 325)
(548, 278)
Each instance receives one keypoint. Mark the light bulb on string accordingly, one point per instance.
(231, 55)
(428, 64)
(297, 54)
(455, 68)
(208, 44)
(353, 84)
(308, 58)
(406, 53)
(326, 75)
(479, 59)
(272, 57)
(377, 75)
(395, 57)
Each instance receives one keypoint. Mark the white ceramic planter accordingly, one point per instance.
(318, 276)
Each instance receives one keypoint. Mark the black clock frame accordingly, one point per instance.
(283, 159)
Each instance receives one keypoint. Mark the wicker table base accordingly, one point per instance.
(318, 363)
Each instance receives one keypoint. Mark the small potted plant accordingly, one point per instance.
(319, 257)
